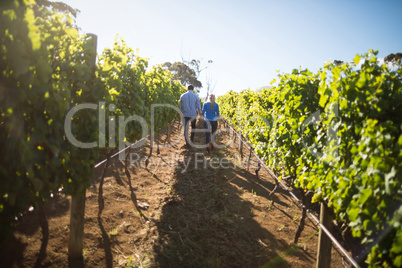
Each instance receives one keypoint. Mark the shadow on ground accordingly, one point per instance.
(206, 223)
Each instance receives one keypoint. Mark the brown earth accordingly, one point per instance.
(198, 210)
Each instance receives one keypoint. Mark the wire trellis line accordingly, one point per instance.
(124, 149)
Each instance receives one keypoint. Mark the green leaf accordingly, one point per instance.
(364, 195)
(356, 59)
(362, 81)
(113, 91)
(106, 67)
(34, 33)
(388, 177)
(10, 14)
(353, 213)
(398, 261)
(72, 32)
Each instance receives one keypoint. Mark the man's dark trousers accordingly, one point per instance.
(193, 121)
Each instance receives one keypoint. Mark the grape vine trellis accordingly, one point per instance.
(46, 69)
(337, 132)
(296, 199)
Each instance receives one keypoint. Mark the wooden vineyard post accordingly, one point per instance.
(248, 160)
(169, 132)
(324, 242)
(75, 241)
(234, 138)
(240, 147)
(76, 237)
(257, 170)
(150, 152)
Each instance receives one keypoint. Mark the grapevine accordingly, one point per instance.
(46, 70)
(338, 133)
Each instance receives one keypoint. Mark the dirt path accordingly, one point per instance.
(201, 210)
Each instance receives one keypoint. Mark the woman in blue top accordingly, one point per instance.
(210, 111)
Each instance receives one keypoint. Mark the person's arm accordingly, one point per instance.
(181, 104)
(198, 105)
(218, 117)
(203, 109)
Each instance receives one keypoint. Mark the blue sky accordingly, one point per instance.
(248, 41)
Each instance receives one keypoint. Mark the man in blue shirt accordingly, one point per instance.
(190, 107)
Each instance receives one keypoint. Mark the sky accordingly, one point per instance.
(249, 42)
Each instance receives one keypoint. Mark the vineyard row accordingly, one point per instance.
(338, 133)
(297, 200)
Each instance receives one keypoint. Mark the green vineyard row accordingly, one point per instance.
(337, 132)
(46, 69)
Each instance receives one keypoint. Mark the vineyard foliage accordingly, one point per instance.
(337, 132)
(46, 69)
(133, 90)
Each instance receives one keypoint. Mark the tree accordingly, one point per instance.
(395, 58)
(58, 7)
(187, 72)
(338, 62)
(43, 7)
(196, 66)
(210, 84)
(183, 73)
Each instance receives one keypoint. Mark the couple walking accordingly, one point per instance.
(190, 107)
